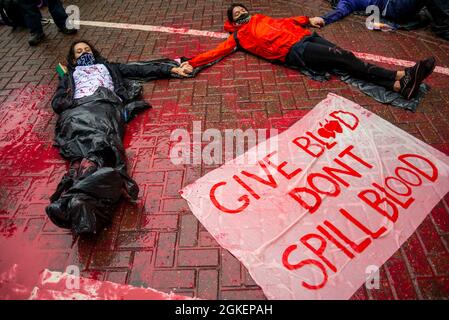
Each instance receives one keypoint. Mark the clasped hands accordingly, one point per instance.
(184, 70)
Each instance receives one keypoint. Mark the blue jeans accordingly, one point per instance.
(403, 10)
(32, 14)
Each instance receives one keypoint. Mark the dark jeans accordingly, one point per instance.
(321, 55)
(403, 10)
(33, 15)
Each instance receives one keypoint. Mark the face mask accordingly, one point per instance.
(244, 18)
(86, 59)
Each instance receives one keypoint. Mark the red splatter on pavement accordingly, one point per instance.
(149, 242)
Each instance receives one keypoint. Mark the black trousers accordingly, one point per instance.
(32, 14)
(322, 55)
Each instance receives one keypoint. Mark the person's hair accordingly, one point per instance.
(71, 54)
(231, 8)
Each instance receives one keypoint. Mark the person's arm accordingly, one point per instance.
(301, 20)
(344, 8)
(61, 100)
(225, 48)
(146, 70)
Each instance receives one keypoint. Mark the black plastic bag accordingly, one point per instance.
(86, 205)
(93, 130)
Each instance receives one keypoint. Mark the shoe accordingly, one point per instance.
(67, 31)
(414, 76)
(36, 38)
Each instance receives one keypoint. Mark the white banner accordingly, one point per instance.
(318, 213)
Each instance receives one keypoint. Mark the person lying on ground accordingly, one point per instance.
(94, 100)
(289, 42)
(394, 10)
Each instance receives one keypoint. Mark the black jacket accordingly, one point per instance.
(63, 98)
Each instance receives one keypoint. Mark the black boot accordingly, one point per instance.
(67, 31)
(36, 38)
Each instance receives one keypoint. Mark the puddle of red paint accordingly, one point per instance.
(26, 137)
(20, 266)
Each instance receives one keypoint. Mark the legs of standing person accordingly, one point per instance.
(32, 16)
(58, 13)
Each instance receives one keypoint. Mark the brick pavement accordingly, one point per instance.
(157, 242)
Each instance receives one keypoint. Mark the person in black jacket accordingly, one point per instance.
(94, 100)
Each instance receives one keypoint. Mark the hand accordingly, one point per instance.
(179, 71)
(317, 22)
(187, 67)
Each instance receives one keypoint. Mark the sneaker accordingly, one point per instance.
(415, 75)
(67, 31)
(36, 38)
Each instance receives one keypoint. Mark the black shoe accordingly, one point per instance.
(67, 31)
(36, 38)
(415, 75)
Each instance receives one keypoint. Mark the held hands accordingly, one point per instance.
(187, 67)
(184, 70)
(317, 22)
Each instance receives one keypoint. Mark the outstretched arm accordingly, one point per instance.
(316, 22)
(344, 8)
(150, 70)
(221, 51)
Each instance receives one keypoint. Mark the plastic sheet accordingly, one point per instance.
(375, 91)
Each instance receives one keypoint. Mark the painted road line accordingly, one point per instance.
(222, 35)
(398, 62)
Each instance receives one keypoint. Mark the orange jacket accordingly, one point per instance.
(262, 36)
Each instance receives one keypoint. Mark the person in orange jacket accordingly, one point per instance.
(289, 42)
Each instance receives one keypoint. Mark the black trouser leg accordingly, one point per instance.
(58, 13)
(320, 54)
(32, 15)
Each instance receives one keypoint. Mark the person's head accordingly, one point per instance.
(237, 12)
(78, 48)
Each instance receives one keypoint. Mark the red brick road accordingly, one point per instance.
(157, 242)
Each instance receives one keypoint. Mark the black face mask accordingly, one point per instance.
(86, 59)
(244, 18)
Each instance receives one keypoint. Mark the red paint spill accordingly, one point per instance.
(30, 168)
(57, 286)
(20, 266)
